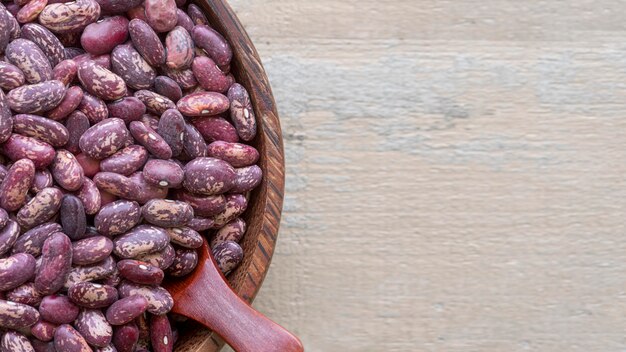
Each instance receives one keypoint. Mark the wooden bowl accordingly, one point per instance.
(263, 214)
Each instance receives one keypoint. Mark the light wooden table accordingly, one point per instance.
(456, 176)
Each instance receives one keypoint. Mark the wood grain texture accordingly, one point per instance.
(455, 173)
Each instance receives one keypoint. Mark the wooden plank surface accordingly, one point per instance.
(455, 173)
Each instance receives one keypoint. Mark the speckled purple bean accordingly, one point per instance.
(16, 270)
(185, 237)
(94, 327)
(147, 42)
(236, 154)
(131, 66)
(15, 341)
(46, 41)
(236, 204)
(142, 239)
(29, 58)
(21, 147)
(30, 11)
(150, 139)
(155, 103)
(36, 98)
(16, 315)
(116, 184)
(140, 272)
(126, 161)
(71, 101)
(159, 300)
(247, 179)
(104, 138)
(5, 29)
(102, 36)
(210, 77)
(185, 261)
(66, 171)
(163, 173)
(101, 82)
(41, 128)
(216, 129)
(89, 195)
(58, 309)
(32, 241)
(197, 15)
(43, 330)
(161, 14)
(69, 17)
(228, 255)
(161, 334)
(91, 295)
(91, 250)
(166, 87)
(73, 217)
(171, 128)
(11, 76)
(126, 309)
(151, 121)
(145, 190)
(118, 6)
(94, 107)
(118, 217)
(193, 144)
(180, 49)
(6, 119)
(76, 124)
(233, 231)
(167, 213)
(97, 271)
(16, 184)
(213, 43)
(43, 206)
(55, 265)
(67, 339)
(203, 104)
(201, 224)
(242, 112)
(41, 346)
(184, 78)
(8, 235)
(125, 337)
(184, 20)
(65, 71)
(208, 176)
(128, 109)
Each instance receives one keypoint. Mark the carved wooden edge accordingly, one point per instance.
(263, 217)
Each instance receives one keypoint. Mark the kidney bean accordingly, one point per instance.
(208, 176)
(128, 109)
(126, 161)
(6, 119)
(73, 217)
(11, 76)
(25, 294)
(29, 58)
(65, 71)
(151, 121)
(236, 154)
(185, 237)
(104, 138)
(180, 49)
(184, 78)
(242, 112)
(125, 337)
(132, 67)
(210, 76)
(203, 104)
(16, 315)
(167, 213)
(8, 235)
(94, 107)
(93, 326)
(43, 129)
(101, 82)
(164, 86)
(171, 128)
(102, 36)
(183, 20)
(228, 255)
(213, 43)
(16, 184)
(5, 29)
(43, 330)
(142, 239)
(32, 241)
(49, 44)
(194, 145)
(161, 14)
(155, 103)
(159, 300)
(150, 139)
(76, 124)
(40, 208)
(216, 129)
(97, 271)
(21, 147)
(58, 309)
(116, 184)
(36, 98)
(93, 296)
(14, 341)
(118, 6)
(66, 171)
(247, 179)
(72, 100)
(89, 195)
(67, 339)
(232, 231)
(69, 17)
(163, 173)
(126, 309)
(55, 265)
(161, 334)
(109, 348)
(147, 42)
(201, 224)
(185, 261)
(140, 272)
(197, 15)
(161, 259)
(118, 217)
(43, 179)
(16, 270)
(41, 346)
(91, 250)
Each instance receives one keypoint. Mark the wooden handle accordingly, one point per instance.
(209, 300)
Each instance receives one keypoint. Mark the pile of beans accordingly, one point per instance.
(122, 143)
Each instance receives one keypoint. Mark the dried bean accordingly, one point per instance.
(91, 250)
(194, 145)
(128, 109)
(55, 265)
(66, 171)
(25, 294)
(93, 326)
(43, 330)
(197, 15)
(161, 334)
(118, 217)
(69, 17)
(16, 315)
(125, 337)
(161, 14)
(126, 161)
(67, 339)
(163, 173)
(168, 88)
(129, 64)
(101, 37)
(32, 241)
(247, 179)
(89, 195)
(216, 129)
(58, 309)
(30, 59)
(41, 346)
(76, 124)
(155, 103)
(20, 147)
(185, 261)
(11, 76)
(93, 296)
(13, 341)
(180, 49)
(72, 100)
(184, 78)
(184, 20)
(161, 259)
(208, 176)
(185, 237)
(171, 128)
(143, 239)
(40, 208)
(104, 138)
(94, 107)
(233, 231)
(159, 300)
(236, 204)
(65, 71)
(6, 119)
(93, 272)
(126, 309)
(201, 224)
(16, 270)
(150, 139)
(167, 213)
(241, 112)
(147, 42)
(45, 130)
(213, 43)
(209, 75)
(16, 184)
(49, 44)
(236, 154)
(73, 217)
(36, 98)
(146, 191)
(228, 255)
(116, 184)
(203, 104)
(140, 272)
(101, 82)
